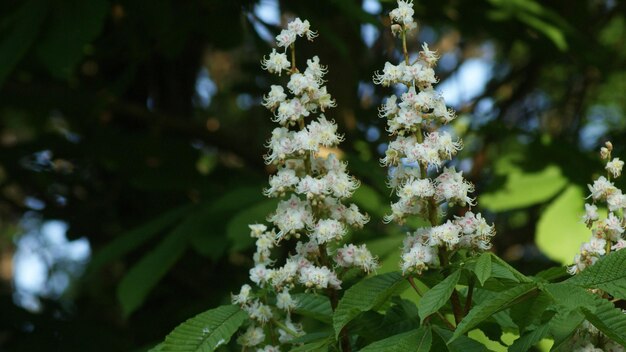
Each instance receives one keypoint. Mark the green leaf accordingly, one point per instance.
(487, 308)
(563, 324)
(523, 189)
(72, 25)
(483, 268)
(498, 264)
(317, 346)
(528, 312)
(418, 340)
(560, 223)
(460, 344)
(366, 295)
(552, 274)
(132, 239)
(25, 22)
(206, 331)
(526, 341)
(143, 276)
(437, 296)
(607, 274)
(313, 306)
(600, 312)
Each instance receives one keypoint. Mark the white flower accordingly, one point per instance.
(324, 132)
(595, 246)
(284, 301)
(284, 180)
(257, 230)
(615, 167)
(418, 258)
(351, 255)
(430, 57)
(252, 337)
(451, 186)
(291, 215)
(403, 14)
(340, 184)
(285, 337)
(448, 234)
(276, 63)
(286, 38)
(327, 230)
(390, 107)
(391, 74)
(243, 297)
(259, 274)
(616, 200)
(591, 214)
(315, 70)
(269, 348)
(259, 312)
(601, 188)
(301, 28)
(319, 277)
(274, 97)
(420, 188)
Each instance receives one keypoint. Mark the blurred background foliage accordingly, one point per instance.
(131, 136)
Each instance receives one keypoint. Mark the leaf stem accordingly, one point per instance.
(470, 293)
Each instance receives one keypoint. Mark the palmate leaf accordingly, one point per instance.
(607, 274)
(526, 341)
(366, 295)
(313, 306)
(579, 304)
(487, 308)
(418, 340)
(461, 344)
(437, 296)
(206, 331)
(483, 268)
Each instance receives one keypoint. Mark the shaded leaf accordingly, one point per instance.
(72, 25)
(437, 296)
(529, 339)
(26, 23)
(487, 308)
(366, 295)
(206, 331)
(313, 306)
(418, 340)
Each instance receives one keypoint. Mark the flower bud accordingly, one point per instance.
(396, 29)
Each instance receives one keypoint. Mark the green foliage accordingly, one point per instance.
(607, 274)
(73, 24)
(529, 339)
(419, 340)
(25, 22)
(206, 331)
(483, 268)
(314, 306)
(523, 188)
(489, 307)
(438, 295)
(560, 223)
(366, 295)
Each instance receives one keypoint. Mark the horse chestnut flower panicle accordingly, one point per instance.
(417, 156)
(313, 190)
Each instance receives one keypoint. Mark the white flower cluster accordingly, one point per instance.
(421, 248)
(607, 233)
(312, 189)
(421, 147)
